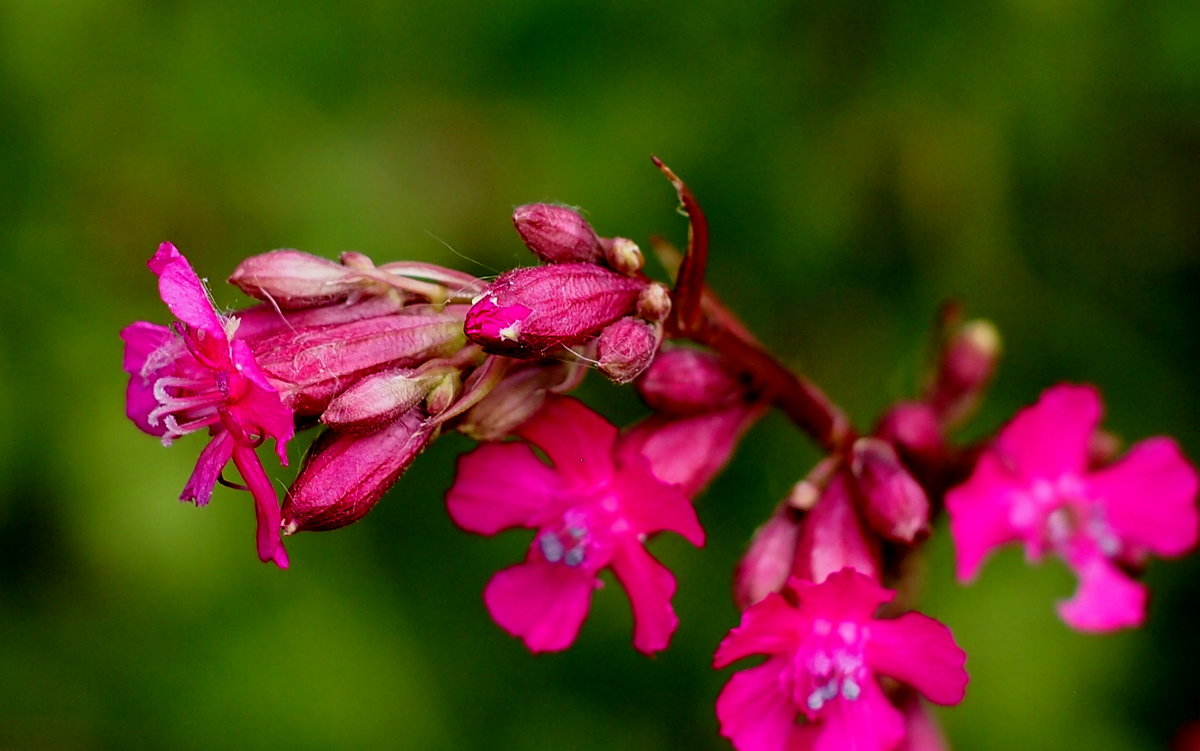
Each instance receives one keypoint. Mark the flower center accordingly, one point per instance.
(1059, 515)
(584, 537)
(830, 665)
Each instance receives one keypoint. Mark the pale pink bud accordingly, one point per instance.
(833, 537)
(895, 504)
(557, 234)
(767, 563)
(625, 348)
(292, 279)
(685, 381)
(378, 399)
(623, 255)
(312, 365)
(654, 303)
(518, 396)
(345, 474)
(967, 364)
(529, 311)
(444, 392)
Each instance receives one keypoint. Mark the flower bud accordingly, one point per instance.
(313, 365)
(262, 322)
(529, 311)
(690, 451)
(345, 474)
(293, 280)
(517, 397)
(623, 255)
(685, 381)
(626, 348)
(896, 505)
(654, 303)
(832, 537)
(557, 234)
(445, 391)
(767, 563)
(378, 399)
(913, 429)
(966, 367)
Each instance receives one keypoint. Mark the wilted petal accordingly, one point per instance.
(1149, 497)
(542, 603)
(501, 485)
(917, 650)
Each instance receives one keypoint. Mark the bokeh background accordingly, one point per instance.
(1038, 160)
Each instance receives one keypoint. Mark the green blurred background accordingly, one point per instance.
(859, 162)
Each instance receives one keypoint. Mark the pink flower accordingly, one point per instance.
(196, 375)
(592, 509)
(1033, 484)
(824, 650)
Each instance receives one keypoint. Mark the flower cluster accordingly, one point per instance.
(385, 358)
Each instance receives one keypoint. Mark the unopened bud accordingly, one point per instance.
(833, 537)
(654, 303)
(767, 563)
(623, 255)
(294, 280)
(895, 504)
(528, 312)
(966, 367)
(345, 474)
(314, 365)
(685, 381)
(557, 234)
(518, 397)
(626, 348)
(913, 429)
(444, 392)
(377, 399)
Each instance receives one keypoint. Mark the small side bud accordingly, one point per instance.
(685, 381)
(767, 563)
(623, 255)
(965, 369)
(654, 303)
(896, 505)
(294, 280)
(557, 234)
(626, 348)
(345, 474)
(445, 391)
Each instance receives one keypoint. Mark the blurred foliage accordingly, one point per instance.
(859, 162)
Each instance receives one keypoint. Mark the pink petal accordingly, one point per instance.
(755, 712)
(578, 441)
(844, 595)
(142, 340)
(1051, 438)
(183, 292)
(1105, 600)
(869, 723)
(980, 510)
(213, 458)
(917, 650)
(260, 408)
(502, 485)
(544, 604)
(652, 506)
(266, 506)
(770, 626)
(923, 731)
(1149, 497)
(649, 585)
(690, 451)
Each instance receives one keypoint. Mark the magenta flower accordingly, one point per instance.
(1034, 484)
(195, 375)
(824, 653)
(593, 509)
